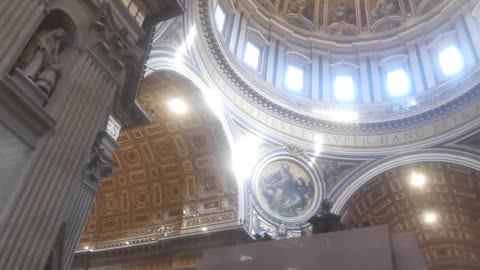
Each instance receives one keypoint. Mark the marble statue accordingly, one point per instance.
(47, 78)
(40, 61)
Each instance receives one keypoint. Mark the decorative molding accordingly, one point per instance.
(301, 57)
(347, 188)
(293, 149)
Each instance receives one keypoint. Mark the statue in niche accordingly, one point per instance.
(385, 8)
(40, 61)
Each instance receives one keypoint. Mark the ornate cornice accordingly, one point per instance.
(345, 189)
(154, 250)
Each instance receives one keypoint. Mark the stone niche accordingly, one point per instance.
(39, 66)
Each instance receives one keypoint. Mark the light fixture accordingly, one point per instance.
(86, 247)
(178, 106)
(451, 60)
(127, 243)
(430, 218)
(417, 180)
(204, 229)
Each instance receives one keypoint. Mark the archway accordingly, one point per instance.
(439, 201)
(174, 174)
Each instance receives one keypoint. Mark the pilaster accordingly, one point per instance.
(83, 193)
(326, 91)
(416, 70)
(427, 65)
(316, 77)
(364, 80)
(376, 79)
(280, 75)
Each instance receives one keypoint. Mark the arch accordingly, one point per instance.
(59, 18)
(157, 63)
(349, 186)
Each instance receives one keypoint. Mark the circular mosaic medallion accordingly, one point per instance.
(286, 190)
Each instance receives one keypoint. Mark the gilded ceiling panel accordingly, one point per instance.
(452, 192)
(173, 173)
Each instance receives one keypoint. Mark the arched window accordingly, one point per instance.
(396, 76)
(254, 53)
(398, 83)
(345, 78)
(297, 73)
(344, 88)
(294, 78)
(451, 60)
(251, 56)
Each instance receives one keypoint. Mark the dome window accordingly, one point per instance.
(220, 18)
(451, 61)
(294, 79)
(252, 55)
(344, 88)
(398, 83)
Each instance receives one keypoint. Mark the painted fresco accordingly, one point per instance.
(286, 189)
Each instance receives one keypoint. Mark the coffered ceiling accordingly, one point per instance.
(173, 175)
(452, 192)
(346, 18)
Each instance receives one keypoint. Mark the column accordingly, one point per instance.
(83, 194)
(415, 67)
(427, 66)
(376, 79)
(326, 96)
(316, 77)
(364, 79)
